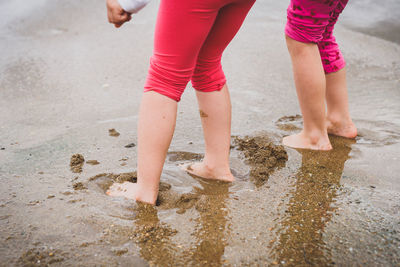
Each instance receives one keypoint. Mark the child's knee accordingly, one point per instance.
(208, 75)
(167, 80)
(297, 48)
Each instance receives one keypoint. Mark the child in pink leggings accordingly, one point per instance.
(190, 37)
(319, 73)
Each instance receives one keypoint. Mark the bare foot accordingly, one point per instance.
(201, 170)
(126, 189)
(347, 130)
(300, 140)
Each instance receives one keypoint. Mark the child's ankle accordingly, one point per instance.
(216, 168)
(213, 165)
(339, 119)
(147, 196)
(341, 126)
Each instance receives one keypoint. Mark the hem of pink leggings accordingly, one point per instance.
(211, 88)
(291, 34)
(331, 69)
(163, 92)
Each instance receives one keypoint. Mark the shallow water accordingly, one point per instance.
(68, 77)
(297, 233)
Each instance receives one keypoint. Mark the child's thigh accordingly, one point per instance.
(208, 75)
(228, 22)
(181, 29)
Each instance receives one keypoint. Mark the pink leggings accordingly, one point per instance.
(312, 21)
(190, 38)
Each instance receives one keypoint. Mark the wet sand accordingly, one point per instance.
(67, 78)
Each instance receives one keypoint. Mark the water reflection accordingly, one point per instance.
(209, 237)
(212, 226)
(311, 206)
(153, 236)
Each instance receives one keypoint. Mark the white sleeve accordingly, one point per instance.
(133, 6)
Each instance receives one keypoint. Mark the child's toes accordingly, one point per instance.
(114, 190)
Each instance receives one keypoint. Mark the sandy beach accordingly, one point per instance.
(67, 78)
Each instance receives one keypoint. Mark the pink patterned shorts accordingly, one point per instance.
(312, 21)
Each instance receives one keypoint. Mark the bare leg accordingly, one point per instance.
(310, 83)
(157, 118)
(338, 117)
(215, 113)
(215, 107)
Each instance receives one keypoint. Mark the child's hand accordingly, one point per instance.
(116, 15)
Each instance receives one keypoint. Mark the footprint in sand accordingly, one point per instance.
(377, 133)
(290, 123)
(175, 156)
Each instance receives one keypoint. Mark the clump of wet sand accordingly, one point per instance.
(130, 145)
(92, 162)
(262, 155)
(113, 132)
(203, 114)
(76, 163)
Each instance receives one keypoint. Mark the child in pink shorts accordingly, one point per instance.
(319, 73)
(190, 37)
